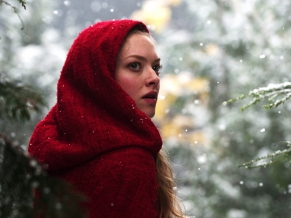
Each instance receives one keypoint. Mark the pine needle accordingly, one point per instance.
(21, 175)
(272, 93)
(264, 161)
(16, 11)
(23, 3)
(18, 100)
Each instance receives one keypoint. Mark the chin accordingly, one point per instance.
(150, 111)
(151, 114)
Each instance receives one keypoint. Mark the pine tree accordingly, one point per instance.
(276, 95)
(236, 46)
(23, 181)
(29, 57)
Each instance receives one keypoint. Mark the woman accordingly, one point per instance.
(99, 135)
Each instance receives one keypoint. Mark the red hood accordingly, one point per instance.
(93, 115)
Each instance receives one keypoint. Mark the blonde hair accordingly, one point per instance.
(168, 202)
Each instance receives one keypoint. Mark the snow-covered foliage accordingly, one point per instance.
(236, 46)
(211, 51)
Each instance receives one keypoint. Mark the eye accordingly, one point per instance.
(135, 66)
(157, 68)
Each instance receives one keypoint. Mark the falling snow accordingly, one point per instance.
(208, 57)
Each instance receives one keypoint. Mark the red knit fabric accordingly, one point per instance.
(95, 137)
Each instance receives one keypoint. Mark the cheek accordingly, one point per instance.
(128, 85)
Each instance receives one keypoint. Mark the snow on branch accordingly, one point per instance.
(273, 93)
(264, 161)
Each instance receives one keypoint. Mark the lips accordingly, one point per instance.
(151, 98)
(151, 95)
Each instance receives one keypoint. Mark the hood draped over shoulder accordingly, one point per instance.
(94, 119)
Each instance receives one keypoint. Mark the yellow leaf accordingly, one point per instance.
(153, 13)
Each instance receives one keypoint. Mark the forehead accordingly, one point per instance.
(138, 43)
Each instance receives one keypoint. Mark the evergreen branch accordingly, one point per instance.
(17, 100)
(253, 102)
(235, 99)
(271, 93)
(273, 96)
(23, 3)
(278, 102)
(267, 160)
(20, 175)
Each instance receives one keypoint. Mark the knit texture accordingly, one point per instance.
(95, 137)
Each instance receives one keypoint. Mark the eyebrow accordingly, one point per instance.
(141, 58)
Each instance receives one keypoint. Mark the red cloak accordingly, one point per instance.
(95, 137)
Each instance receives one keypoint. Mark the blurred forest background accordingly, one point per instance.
(211, 51)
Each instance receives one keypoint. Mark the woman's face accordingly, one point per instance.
(137, 71)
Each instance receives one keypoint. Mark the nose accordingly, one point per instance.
(152, 78)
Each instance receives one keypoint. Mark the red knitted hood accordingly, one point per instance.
(93, 115)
